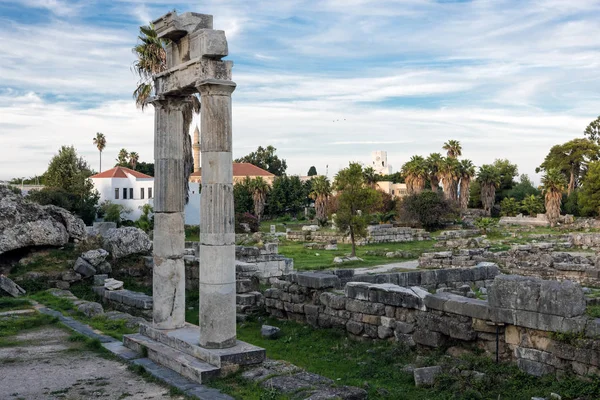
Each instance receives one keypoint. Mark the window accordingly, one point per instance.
(131, 193)
(116, 193)
(141, 193)
(149, 193)
(124, 193)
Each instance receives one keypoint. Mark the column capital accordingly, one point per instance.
(171, 102)
(215, 87)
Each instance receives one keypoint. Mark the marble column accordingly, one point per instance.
(217, 234)
(168, 278)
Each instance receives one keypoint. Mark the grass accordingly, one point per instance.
(12, 325)
(593, 311)
(10, 303)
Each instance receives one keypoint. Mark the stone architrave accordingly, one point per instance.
(217, 234)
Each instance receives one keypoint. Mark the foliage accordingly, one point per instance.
(370, 176)
(266, 159)
(242, 196)
(133, 159)
(14, 189)
(246, 218)
(396, 177)
(415, 173)
(453, 148)
(145, 168)
(466, 172)
(55, 196)
(554, 184)
(570, 203)
(489, 179)
(523, 189)
(259, 189)
(507, 171)
(433, 164)
(571, 159)
(321, 190)
(449, 173)
(151, 59)
(69, 173)
(384, 217)
(532, 205)
(146, 220)
(123, 158)
(113, 212)
(356, 200)
(509, 207)
(427, 209)
(486, 224)
(312, 171)
(592, 131)
(288, 196)
(100, 143)
(589, 195)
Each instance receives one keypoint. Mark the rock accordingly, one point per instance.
(426, 376)
(310, 228)
(341, 260)
(331, 247)
(63, 285)
(100, 279)
(25, 224)
(95, 257)
(84, 268)
(9, 288)
(101, 228)
(130, 321)
(122, 242)
(555, 396)
(90, 309)
(270, 332)
(71, 276)
(113, 284)
(104, 268)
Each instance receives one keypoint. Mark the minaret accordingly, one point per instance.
(196, 147)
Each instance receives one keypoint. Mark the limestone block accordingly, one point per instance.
(169, 235)
(428, 338)
(270, 332)
(10, 288)
(84, 268)
(168, 285)
(315, 280)
(365, 307)
(384, 332)
(426, 376)
(100, 279)
(95, 257)
(217, 311)
(515, 292)
(113, 284)
(354, 327)
(90, 309)
(70, 276)
(169, 193)
(534, 368)
(104, 268)
(217, 265)
(561, 298)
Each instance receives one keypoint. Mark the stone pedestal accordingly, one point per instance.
(217, 233)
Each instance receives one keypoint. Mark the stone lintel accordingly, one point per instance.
(182, 79)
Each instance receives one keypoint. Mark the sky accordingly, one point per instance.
(325, 82)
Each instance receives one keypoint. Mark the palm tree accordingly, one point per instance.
(100, 142)
(467, 172)
(370, 176)
(321, 190)
(453, 148)
(415, 173)
(133, 159)
(489, 179)
(259, 188)
(122, 158)
(554, 184)
(433, 163)
(449, 174)
(151, 60)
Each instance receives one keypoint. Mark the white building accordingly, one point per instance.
(192, 208)
(380, 163)
(127, 187)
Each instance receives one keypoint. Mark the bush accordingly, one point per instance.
(509, 207)
(114, 212)
(146, 220)
(246, 218)
(486, 224)
(427, 209)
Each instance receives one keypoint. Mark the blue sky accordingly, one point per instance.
(507, 78)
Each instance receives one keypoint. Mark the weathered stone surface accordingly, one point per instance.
(428, 338)
(113, 284)
(25, 224)
(100, 279)
(70, 276)
(315, 280)
(534, 368)
(270, 332)
(84, 268)
(104, 268)
(426, 376)
(122, 242)
(561, 298)
(9, 288)
(95, 257)
(90, 309)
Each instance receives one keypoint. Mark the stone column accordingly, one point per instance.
(217, 234)
(168, 278)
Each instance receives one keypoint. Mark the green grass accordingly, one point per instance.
(377, 367)
(11, 303)
(593, 311)
(12, 325)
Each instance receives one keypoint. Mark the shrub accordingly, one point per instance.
(485, 224)
(427, 209)
(114, 212)
(509, 207)
(146, 220)
(246, 218)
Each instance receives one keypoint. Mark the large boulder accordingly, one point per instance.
(95, 257)
(9, 288)
(122, 242)
(25, 224)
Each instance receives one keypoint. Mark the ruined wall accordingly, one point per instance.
(375, 234)
(540, 325)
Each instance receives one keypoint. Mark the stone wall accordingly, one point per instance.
(124, 300)
(269, 263)
(524, 314)
(375, 234)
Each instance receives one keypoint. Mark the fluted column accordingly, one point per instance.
(168, 277)
(217, 234)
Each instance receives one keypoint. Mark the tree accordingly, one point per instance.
(113, 212)
(532, 205)
(356, 199)
(370, 176)
(589, 195)
(506, 173)
(453, 148)
(266, 159)
(69, 172)
(449, 174)
(433, 163)
(571, 159)
(592, 131)
(145, 168)
(489, 179)
(509, 207)
(259, 188)
(523, 189)
(415, 174)
(287, 196)
(123, 158)
(100, 142)
(151, 60)
(321, 190)
(312, 171)
(466, 172)
(427, 209)
(554, 184)
(133, 159)
(242, 197)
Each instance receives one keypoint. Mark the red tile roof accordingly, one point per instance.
(120, 172)
(243, 169)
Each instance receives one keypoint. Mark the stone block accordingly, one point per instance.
(354, 327)
(470, 307)
(370, 331)
(428, 338)
(70, 276)
(561, 298)
(246, 285)
(357, 290)
(534, 368)
(99, 280)
(426, 376)
(404, 327)
(515, 292)
(270, 332)
(84, 268)
(315, 280)
(397, 296)
(384, 332)
(90, 309)
(365, 307)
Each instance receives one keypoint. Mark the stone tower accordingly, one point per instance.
(196, 147)
(380, 163)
